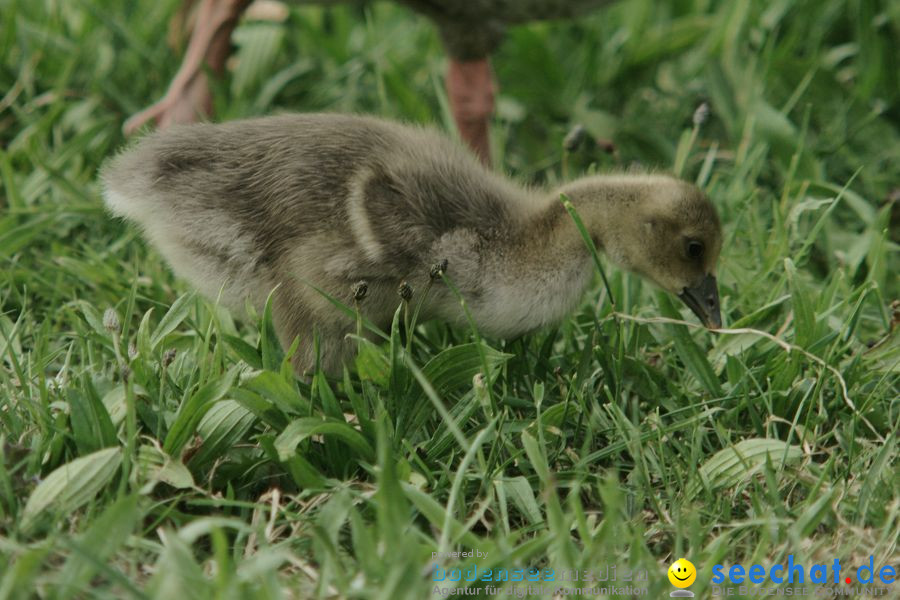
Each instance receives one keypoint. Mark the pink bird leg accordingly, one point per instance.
(470, 89)
(188, 97)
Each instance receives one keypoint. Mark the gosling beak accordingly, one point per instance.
(703, 299)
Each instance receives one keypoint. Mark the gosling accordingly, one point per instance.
(358, 208)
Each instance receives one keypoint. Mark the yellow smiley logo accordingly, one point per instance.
(682, 573)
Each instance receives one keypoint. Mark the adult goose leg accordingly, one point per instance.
(470, 89)
(188, 96)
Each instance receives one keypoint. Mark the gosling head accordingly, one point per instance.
(665, 230)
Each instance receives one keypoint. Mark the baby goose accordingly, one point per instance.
(330, 201)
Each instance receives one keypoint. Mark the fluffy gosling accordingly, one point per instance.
(332, 201)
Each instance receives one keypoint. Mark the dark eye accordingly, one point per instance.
(695, 248)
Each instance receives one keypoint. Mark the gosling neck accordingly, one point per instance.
(540, 267)
(551, 235)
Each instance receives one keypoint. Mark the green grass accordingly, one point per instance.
(155, 448)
